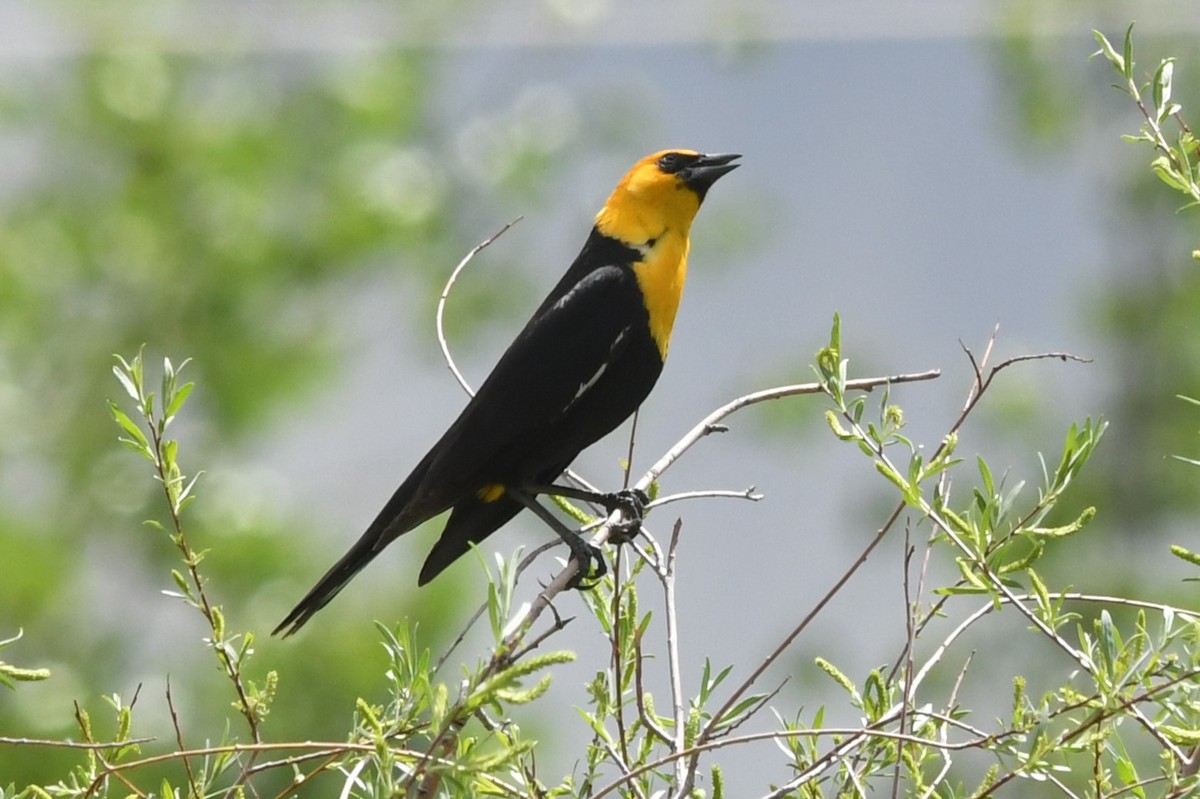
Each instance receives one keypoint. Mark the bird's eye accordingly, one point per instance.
(671, 163)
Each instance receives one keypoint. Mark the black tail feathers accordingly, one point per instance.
(328, 586)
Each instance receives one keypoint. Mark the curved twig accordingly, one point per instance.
(441, 306)
(711, 423)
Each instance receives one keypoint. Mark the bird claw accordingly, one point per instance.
(592, 568)
(633, 502)
(586, 554)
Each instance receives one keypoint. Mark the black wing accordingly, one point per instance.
(527, 407)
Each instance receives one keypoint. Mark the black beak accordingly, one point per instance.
(704, 172)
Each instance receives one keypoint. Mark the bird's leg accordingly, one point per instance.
(582, 551)
(570, 492)
(632, 501)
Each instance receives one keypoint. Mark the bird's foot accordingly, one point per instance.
(591, 563)
(633, 502)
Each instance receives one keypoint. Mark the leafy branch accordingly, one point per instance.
(10, 674)
(157, 412)
(1176, 164)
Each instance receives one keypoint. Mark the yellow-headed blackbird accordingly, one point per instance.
(582, 365)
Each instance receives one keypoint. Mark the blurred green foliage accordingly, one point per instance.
(1145, 301)
(209, 206)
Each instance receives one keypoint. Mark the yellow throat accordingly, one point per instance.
(652, 212)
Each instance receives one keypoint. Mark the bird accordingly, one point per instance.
(583, 363)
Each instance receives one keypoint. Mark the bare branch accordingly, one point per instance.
(187, 763)
(710, 423)
(652, 726)
(685, 770)
(981, 383)
(67, 743)
(720, 493)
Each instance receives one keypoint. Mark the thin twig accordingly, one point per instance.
(559, 624)
(718, 493)
(683, 770)
(909, 643)
(67, 743)
(107, 770)
(710, 423)
(187, 763)
(629, 451)
(1070, 596)
(441, 306)
(617, 655)
(651, 725)
(525, 563)
(707, 732)
(982, 383)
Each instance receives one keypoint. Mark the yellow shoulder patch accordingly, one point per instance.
(490, 492)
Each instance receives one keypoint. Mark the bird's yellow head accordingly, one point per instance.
(661, 195)
(651, 212)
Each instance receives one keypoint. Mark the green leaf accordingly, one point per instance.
(1167, 173)
(128, 425)
(939, 465)
(178, 398)
(1107, 50)
(126, 381)
(1162, 88)
(1127, 773)
(915, 464)
(735, 713)
(136, 447)
(985, 474)
(170, 451)
(1127, 60)
(829, 364)
(1021, 564)
(1108, 641)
